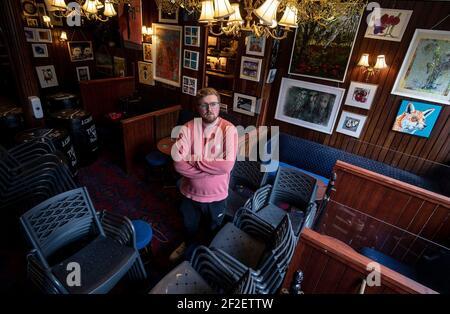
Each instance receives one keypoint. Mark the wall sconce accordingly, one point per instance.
(63, 36)
(47, 21)
(369, 70)
(147, 33)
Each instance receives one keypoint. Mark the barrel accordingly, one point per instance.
(60, 139)
(11, 122)
(61, 101)
(82, 130)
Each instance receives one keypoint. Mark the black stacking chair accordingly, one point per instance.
(64, 230)
(294, 192)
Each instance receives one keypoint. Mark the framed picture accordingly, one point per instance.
(83, 73)
(255, 45)
(164, 17)
(32, 22)
(145, 70)
(167, 53)
(192, 36)
(30, 34)
(44, 35)
(80, 50)
(351, 124)
(119, 66)
(147, 52)
(416, 118)
(55, 19)
(103, 61)
(47, 76)
(324, 52)
(189, 85)
(39, 50)
(387, 24)
(271, 76)
(244, 104)
(309, 105)
(361, 95)
(425, 70)
(250, 68)
(29, 8)
(190, 59)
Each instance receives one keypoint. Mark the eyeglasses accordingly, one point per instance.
(212, 105)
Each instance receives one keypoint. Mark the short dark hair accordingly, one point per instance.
(206, 92)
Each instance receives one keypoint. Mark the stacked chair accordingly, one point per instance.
(67, 234)
(293, 192)
(30, 173)
(204, 274)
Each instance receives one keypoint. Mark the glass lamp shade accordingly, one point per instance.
(60, 4)
(235, 17)
(207, 14)
(46, 19)
(99, 4)
(267, 12)
(63, 36)
(222, 8)
(364, 61)
(90, 6)
(289, 18)
(144, 30)
(381, 63)
(109, 9)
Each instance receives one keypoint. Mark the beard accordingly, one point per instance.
(209, 117)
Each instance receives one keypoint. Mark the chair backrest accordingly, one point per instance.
(247, 173)
(294, 187)
(59, 221)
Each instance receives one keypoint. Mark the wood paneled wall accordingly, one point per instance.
(377, 141)
(383, 202)
(330, 266)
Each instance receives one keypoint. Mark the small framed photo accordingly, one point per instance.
(145, 70)
(361, 95)
(250, 68)
(80, 51)
(164, 17)
(55, 19)
(255, 45)
(387, 24)
(44, 35)
(83, 73)
(30, 34)
(189, 86)
(119, 66)
(29, 8)
(351, 124)
(190, 59)
(39, 50)
(244, 104)
(47, 76)
(192, 36)
(32, 22)
(271, 76)
(147, 52)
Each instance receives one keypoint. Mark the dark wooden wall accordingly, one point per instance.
(377, 141)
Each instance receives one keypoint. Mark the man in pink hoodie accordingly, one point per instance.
(204, 154)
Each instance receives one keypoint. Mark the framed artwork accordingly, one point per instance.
(80, 50)
(164, 17)
(103, 61)
(145, 70)
(416, 118)
(250, 68)
(387, 24)
(119, 66)
(425, 72)
(189, 85)
(244, 104)
(39, 50)
(271, 76)
(47, 76)
(324, 52)
(309, 105)
(44, 35)
(30, 34)
(55, 19)
(192, 36)
(29, 8)
(167, 53)
(190, 59)
(130, 24)
(255, 45)
(32, 22)
(361, 95)
(83, 73)
(351, 124)
(147, 52)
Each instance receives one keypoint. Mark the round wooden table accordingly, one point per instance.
(165, 145)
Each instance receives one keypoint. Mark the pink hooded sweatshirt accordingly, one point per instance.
(205, 156)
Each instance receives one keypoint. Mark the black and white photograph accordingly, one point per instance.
(351, 124)
(39, 50)
(244, 104)
(250, 68)
(310, 105)
(47, 76)
(80, 50)
(83, 73)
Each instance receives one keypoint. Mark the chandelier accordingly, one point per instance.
(90, 9)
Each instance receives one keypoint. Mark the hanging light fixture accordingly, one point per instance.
(90, 9)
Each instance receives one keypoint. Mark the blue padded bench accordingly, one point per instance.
(318, 160)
